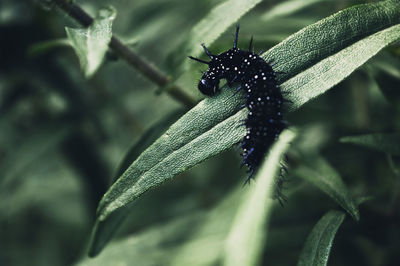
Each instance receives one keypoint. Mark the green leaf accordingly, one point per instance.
(217, 22)
(103, 230)
(42, 47)
(388, 143)
(248, 233)
(211, 233)
(91, 44)
(151, 135)
(327, 73)
(363, 199)
(204, 232)
(315, 59)
(149, 247)
(288, 7)
(204, 131)
(318, 244)
(161, 157)
(318, 172)
(336, 36)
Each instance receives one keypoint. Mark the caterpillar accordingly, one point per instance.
(264, 99)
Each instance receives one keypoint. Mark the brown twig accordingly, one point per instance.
(128, 55)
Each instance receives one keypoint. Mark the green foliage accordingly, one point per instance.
(318, 244)
(201, 133)
(388, 143)
(231, 232)
(248, 234)
(104, 230)
(216, 22)
(319, 173)
(91, 44)
(211, 127)
(287, 8)
(66, 141)
(333, 69)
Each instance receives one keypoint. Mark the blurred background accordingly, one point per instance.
(64, 137)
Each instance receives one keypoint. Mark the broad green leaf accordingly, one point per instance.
(315, 59)
(319, 173)
(319, 242)
(91, 44)
(289, 7)
(248, 233)
(388, 143)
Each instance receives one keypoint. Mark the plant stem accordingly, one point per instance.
(128, 55)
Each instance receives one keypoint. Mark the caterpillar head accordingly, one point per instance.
(209, 83)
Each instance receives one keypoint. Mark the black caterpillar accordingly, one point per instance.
(264, 98)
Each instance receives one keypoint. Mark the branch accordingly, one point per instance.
(123, 51)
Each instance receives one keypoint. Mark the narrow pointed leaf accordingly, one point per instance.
(388, 143)
(151, 135)
(335, 34)
(289, 7)
(324, 75)
(319, 173)
(319, 243)
(247, 235)
(216, 23)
